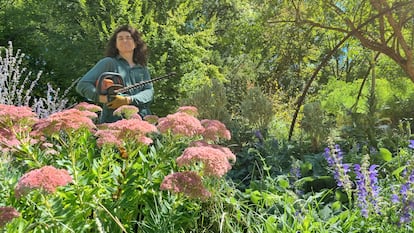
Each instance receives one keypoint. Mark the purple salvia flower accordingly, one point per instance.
(373, 177)
(405, 217)
(367, 186)
(259, 136)
(407, 209)
(405, 198)
(404, 189)
(346, 168)
(334, 158)
(339, 152)
(295, 172)
(328, 157)
(373, 181)
(404, 172)
(395, 198)
(362, 190)
(411, 178)
(411, 145)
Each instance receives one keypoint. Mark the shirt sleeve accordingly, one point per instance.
(86, 86)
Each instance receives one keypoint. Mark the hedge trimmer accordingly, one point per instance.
(111, 84)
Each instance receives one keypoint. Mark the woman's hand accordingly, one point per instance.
(118, 101)
(103, 99)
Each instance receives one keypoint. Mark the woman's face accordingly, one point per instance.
(124, 42)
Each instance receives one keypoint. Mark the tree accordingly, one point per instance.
(376, 24)
(391, 30)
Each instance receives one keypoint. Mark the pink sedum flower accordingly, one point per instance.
(127, 112)
(190, 110)
(66, 120)
(8, 140)
(227, 152)
(83, 106)
(187, 182)
(107, 137)
(180, 124)
(15, 123)
(132, 127)
(215, 159)
(214, 130)
(145, 140)
(7, 214)
(125, 130)
(11, 115)
(47, 179)
(153, 119)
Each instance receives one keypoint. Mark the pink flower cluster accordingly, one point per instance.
(180, 123)
(66, 120)
(127, 112)
(47, 178)
(187, 182)
(8, 139)
(214, 130)
(15, 121)
(185, 123)
(83, 106)
(215, 161)
(190, 110)
(153, 119)
(11, 115)
(132, 130)
(7, 214)
(215, 158)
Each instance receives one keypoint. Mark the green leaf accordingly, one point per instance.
(284, 183)
(398, 171)
(385, 154)
(326, 212)
(306, 167)
(255, 197)
(336, 206)
(341, 196)
(270, 199)
(270, 224)
(304, 180)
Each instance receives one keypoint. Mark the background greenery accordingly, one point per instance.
(276, 46)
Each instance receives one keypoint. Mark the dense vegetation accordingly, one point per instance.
(317, 95)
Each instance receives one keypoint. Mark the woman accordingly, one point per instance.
(126, 54)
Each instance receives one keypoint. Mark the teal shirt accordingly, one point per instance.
(140, 97)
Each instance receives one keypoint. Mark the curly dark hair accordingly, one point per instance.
(141, 50)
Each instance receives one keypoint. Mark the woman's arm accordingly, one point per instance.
(86, 85)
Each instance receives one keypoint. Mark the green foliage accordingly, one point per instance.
(113, 189)
(256, 108)
(181, 39)
(211, 102)
(259, 158)
(398, 106)
(363, 120)
(274, 45)
(117, 191)
(316, 124)
(339, 94)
